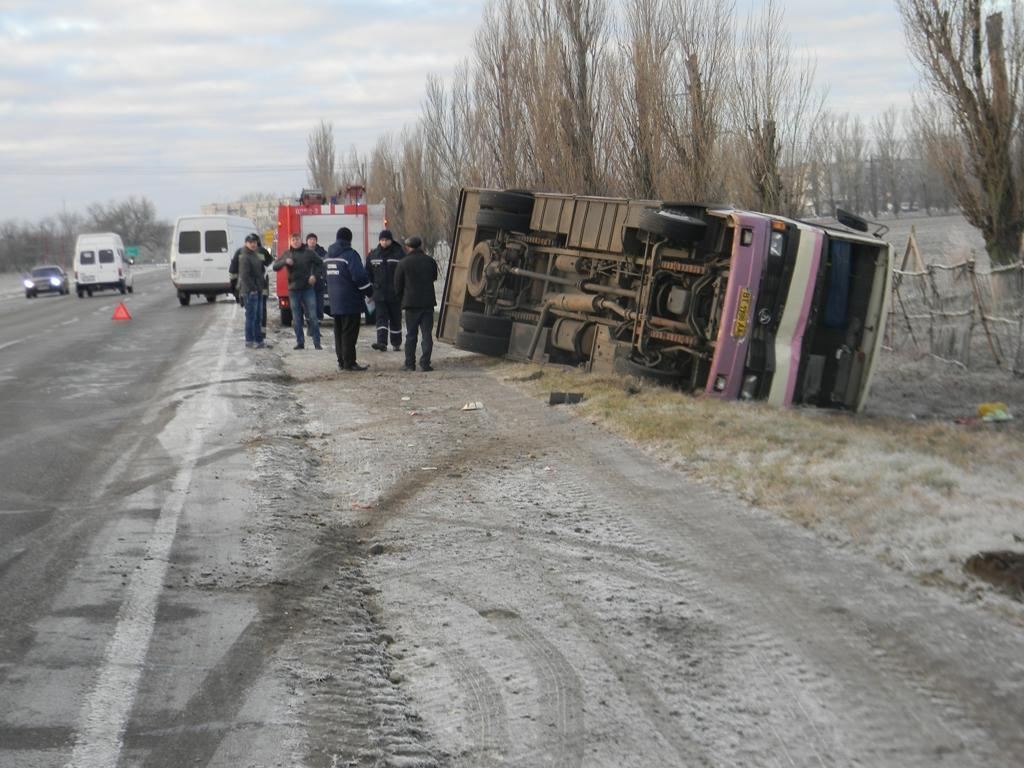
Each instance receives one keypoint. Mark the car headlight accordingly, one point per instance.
(28, 283)
(54, 281)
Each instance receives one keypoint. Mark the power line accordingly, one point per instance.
(139, 170)
(143, 171)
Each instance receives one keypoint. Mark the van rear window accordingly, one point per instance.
(87, 257)
(106, 256)
(189, 242)
(216, 241)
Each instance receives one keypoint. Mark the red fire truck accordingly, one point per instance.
(323, 218)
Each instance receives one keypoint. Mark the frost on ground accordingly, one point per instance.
(553, 594)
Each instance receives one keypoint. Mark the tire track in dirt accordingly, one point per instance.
(738, 639)
(881, 674)
(787, 674)
(486, 709)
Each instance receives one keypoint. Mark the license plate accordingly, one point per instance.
(190, 273)
(87, 279)
(739, 326)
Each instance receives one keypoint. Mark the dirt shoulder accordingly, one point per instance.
(552, 593)
(903, 482)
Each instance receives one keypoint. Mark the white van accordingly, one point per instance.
(100, 264)
(201, 251)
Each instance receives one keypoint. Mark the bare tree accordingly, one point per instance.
(890, 148)
(777, 111)
(546, 161)
(971, 118)
(421, 209)
(385, 181)
(321, 158)
(449, 125)
(638, 77)
(133, 219)
(499, 78)
(849, 154)
(564, 43)
(582, 38)
(703, 73)
(354, 171)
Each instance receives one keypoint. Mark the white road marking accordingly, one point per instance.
(5, 345)
(104, 714)
(68, 322)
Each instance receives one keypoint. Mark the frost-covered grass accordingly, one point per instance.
(922, 496)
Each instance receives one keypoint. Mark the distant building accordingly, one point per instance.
(262, 212)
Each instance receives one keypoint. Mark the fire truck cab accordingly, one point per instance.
(323, 218)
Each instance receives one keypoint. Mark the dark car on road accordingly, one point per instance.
(46, 279)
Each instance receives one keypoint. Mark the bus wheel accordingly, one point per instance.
(671, 225)
(482, 344)
(488, 325)
(184, 298)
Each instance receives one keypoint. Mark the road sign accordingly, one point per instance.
(131, 251)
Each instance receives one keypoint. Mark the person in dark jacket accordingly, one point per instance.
(303, 266)
(414, 285)
(251, 272)
(312, 242)
(233, 277)
(347, 284)
(381, 263)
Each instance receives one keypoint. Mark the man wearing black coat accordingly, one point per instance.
(347, 285)
(381, 264)
(414, 286)
(303, 267)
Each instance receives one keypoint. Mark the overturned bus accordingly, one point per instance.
(733, 303)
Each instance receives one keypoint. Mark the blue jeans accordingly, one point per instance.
(304, 303)
(253, 317)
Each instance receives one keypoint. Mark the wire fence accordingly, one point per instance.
(960, 313)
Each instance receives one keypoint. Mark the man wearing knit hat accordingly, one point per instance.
(381, 263)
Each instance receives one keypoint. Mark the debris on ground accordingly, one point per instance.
(566, 398)
(1004, 569)
(529, 377)
(997, 411)
(473, 406)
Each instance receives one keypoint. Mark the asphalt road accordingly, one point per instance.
(121, 478)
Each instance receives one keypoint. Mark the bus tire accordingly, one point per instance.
(510, 222)
(510, 202)
(488, 325)
(673, 226)
(495, 346)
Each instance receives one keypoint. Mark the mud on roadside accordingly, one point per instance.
(529, 604)
(319, 620)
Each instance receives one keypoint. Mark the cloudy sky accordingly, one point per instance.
(196, 101)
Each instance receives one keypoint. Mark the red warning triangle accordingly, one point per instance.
(121, 313)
